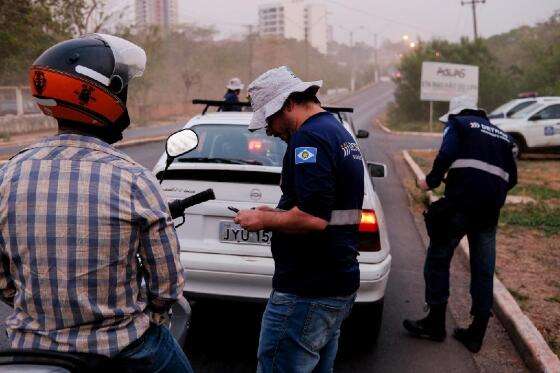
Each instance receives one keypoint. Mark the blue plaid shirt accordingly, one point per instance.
(74, 214)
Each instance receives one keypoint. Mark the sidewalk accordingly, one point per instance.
(154, 133)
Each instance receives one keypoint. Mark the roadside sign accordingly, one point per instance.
(442, 81)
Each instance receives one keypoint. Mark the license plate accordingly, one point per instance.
(233, 233)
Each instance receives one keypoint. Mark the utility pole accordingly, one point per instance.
(250, 64)
(376, 57)
(473, 3)
(306, 54)
(352, 62)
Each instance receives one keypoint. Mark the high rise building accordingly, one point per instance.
(163, 13)
(293, 19)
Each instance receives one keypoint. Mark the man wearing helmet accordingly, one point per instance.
(75, 213)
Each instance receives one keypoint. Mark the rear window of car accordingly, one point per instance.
(525, 112)
(520, 107)
(234, 144)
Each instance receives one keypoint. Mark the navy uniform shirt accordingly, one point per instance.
(231, 98)
(322, 175)
(480, 163)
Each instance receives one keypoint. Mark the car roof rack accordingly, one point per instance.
(220, 104)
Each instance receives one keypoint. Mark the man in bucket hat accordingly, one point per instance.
(480, 167)
(315, 227)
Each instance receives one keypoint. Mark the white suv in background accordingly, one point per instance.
(224, 261)
(535, 129)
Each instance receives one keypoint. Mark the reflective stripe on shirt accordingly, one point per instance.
(483, 166)
(346, 217)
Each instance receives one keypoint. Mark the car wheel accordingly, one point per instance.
(364, 324)
(519, 146)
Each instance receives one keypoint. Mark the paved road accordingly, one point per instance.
(224, 335)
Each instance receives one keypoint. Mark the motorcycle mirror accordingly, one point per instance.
(181, 142)
(178, 144)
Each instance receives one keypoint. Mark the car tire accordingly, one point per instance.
(363, 325)
(519, 145)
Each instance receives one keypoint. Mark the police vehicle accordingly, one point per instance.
(536, 128)
(513, 106)
(221, 259)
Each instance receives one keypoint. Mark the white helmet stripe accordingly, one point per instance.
(93, 74)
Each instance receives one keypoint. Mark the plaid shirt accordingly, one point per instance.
(74, 214)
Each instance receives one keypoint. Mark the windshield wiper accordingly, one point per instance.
(218, 160)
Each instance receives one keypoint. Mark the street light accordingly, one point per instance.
(405, 37)
(412, 44)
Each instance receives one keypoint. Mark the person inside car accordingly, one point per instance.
(76, 214)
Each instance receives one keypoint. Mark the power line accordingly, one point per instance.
(474, 3)
(365, 12)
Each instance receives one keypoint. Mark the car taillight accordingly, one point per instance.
(368, 222)
(255, 146)
(369, 240)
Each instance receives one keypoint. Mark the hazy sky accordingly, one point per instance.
(390, 18)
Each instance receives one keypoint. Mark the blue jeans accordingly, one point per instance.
(156, 351)
(482, 247)
(300, 334)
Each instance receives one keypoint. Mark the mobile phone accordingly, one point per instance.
(233, 209)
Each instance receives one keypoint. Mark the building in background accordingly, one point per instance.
(293, 19)
(163, 13)
(316, 27)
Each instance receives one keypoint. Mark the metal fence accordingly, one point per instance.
(17, 101)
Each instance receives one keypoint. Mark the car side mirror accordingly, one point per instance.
(377, 169)
(536, 117)
(178, 144)
(362, 134)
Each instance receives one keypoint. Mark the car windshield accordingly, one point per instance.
(528, 110)
(234, 144)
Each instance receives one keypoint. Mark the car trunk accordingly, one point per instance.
(207, 224)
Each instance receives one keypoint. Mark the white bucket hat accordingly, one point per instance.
(235, 84)
(270, 90)
(458, 104)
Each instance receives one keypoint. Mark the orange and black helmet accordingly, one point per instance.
(85, 81)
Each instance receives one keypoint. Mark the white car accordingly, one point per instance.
(511, 107)
(535, 129)
(224, 261)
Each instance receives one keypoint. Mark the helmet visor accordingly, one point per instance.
(130, 59)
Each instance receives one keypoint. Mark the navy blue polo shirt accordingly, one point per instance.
(323, 175)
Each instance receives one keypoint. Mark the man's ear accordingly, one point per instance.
(289, 106)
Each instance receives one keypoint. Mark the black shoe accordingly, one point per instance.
(431, 327)
(473, 336)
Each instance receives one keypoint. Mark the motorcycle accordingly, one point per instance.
(178, 320)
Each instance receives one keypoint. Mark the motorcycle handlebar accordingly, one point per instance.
(178, 206)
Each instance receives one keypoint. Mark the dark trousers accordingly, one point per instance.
(482, 244)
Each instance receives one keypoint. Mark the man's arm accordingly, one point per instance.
(314, 192)
(159, 246)
(512, 170)
(292, 221)
(447, 155)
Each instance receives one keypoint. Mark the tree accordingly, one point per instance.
(31, 26)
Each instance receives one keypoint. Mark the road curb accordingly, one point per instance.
(406, 133)
(126, 143)
(527, 339)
